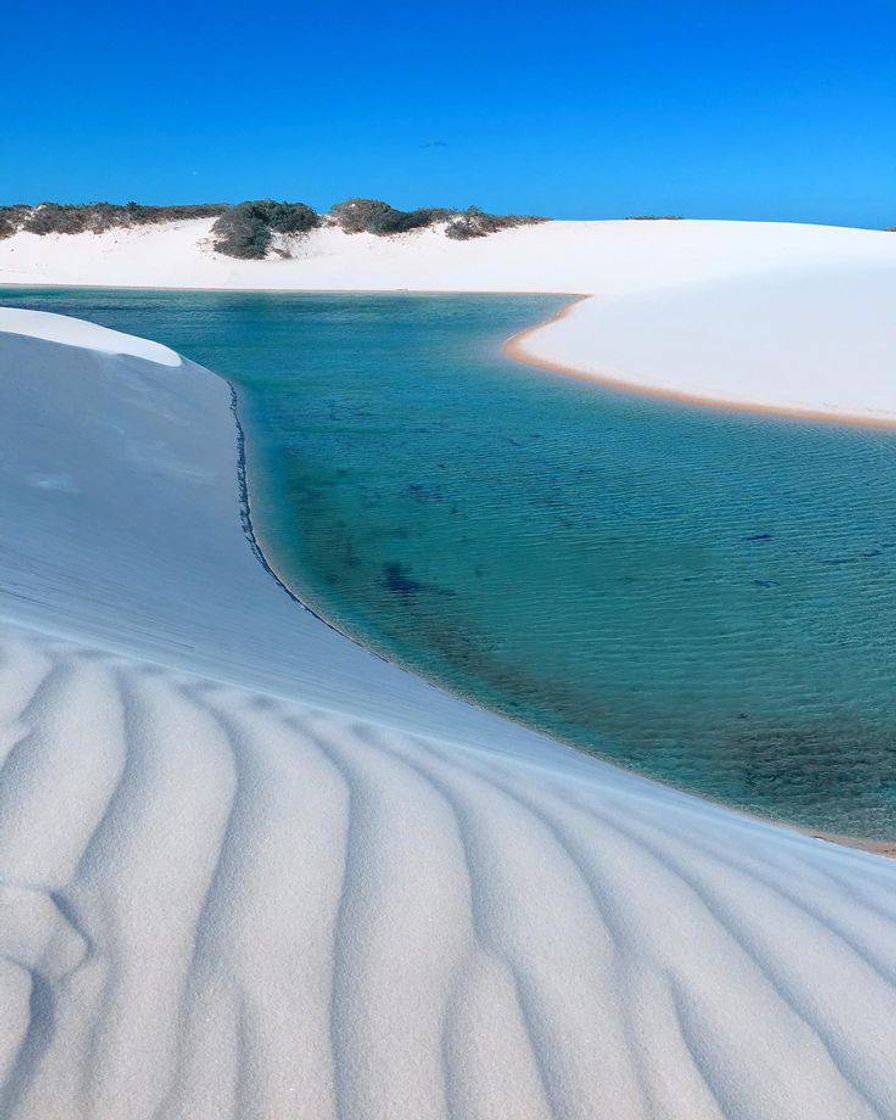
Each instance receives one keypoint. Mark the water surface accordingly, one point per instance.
(707, 597)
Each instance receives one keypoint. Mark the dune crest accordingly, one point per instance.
(247, 869)
(77, 332)
(775, 316)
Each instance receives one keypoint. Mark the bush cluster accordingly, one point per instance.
(245, 231)
(653, 218)
(474, 222)
(370, 215)
(94, 217)
(50, 217)
(11, 218)
(155, 215)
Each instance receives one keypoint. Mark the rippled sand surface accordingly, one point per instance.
(247, 869)
(706, 597)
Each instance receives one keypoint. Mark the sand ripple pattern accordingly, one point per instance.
(218, 903)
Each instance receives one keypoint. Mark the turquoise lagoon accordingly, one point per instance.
(705, 596)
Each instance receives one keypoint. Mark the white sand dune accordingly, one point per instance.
(248, 871)
(818, 340)
(90, 336)
(788, 317)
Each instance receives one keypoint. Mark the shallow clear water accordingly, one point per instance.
(707, 597)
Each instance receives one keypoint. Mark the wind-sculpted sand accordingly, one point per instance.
(781, 317)
(249, 871)
(219, 903)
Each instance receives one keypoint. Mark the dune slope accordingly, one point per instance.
(248, 870)
(794, 318)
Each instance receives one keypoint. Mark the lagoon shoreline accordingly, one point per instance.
(262, 553)
(373, 866)
(776, 319)
(516, 348)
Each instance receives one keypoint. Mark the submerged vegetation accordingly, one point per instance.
(248, 230)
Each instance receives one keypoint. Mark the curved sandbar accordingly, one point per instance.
(247, 867)
(818, 343)
(781, 317)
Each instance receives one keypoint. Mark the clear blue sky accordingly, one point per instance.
(782, 110)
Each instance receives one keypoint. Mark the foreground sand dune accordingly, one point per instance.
(250, 871)
(221, 903)
(795, 318)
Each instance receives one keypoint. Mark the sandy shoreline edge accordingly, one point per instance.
(405, 906)
(254, 536)
(516, 349)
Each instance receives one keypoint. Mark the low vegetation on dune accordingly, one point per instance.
(474, 222)
(11, 218)
(95, 217)
(247, 230)
(369, 215)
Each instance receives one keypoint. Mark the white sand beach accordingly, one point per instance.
(793, 318)
(248, 870)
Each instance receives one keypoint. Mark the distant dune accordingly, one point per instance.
(787, 317)
(248, 870)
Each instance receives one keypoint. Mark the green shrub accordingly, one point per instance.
(370, 215)
(242, 233)
(425, 216)
(140, 215)
(51, 217)
(474, 222)
(11, 218)
(365, 215)
(245, 231)
(289, 217)
(96, 217)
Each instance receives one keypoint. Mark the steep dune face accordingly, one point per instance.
(247, 870)
(120, 477)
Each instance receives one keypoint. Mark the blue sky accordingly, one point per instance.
(732, 110)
